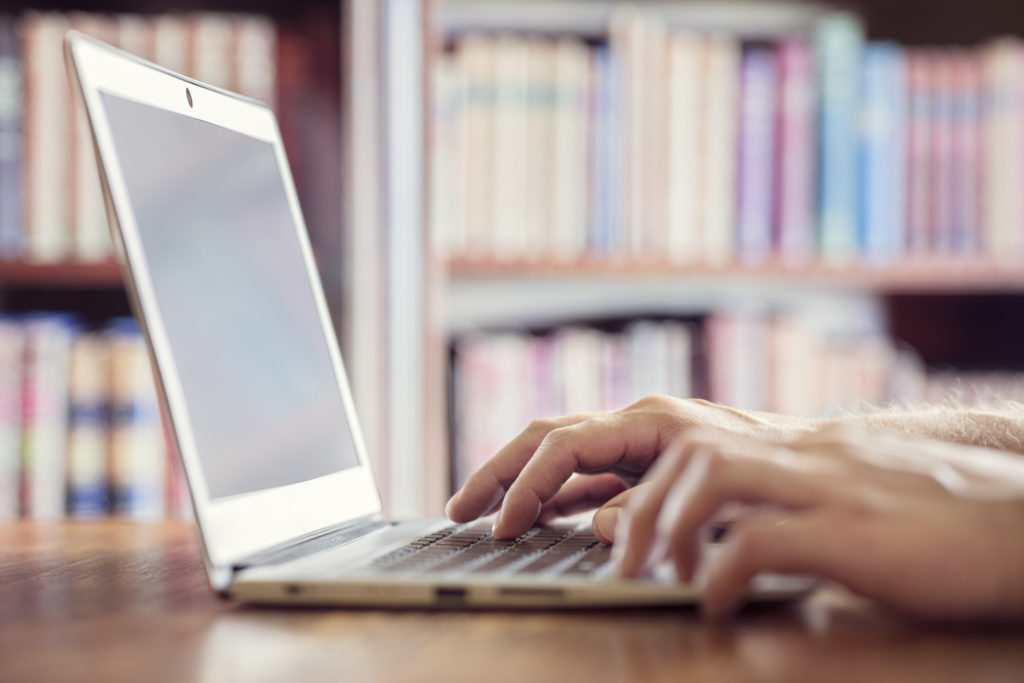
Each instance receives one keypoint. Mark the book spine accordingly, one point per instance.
(839, 43)
(685, 87)
(214, 50)
(965, 154)
(510, 143)
(256, 45)
(90, 235)
(87, 429)
(445, 235)
(476, 55)
(754, 188)
(44, 416)
(171, 42)
(12, 359)
(569, 195)
(599, 180)
(719, 154)
(1004, 139)
(883, 156)
(47, 133)
(793, 210)
(11, 201)
(942, 190)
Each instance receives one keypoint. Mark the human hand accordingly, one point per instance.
(612, 450)
(928, 528)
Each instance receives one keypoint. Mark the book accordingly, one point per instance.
(793, 219)
(568, 198)
(47, 134)
(12, 357)
(882, 183)
(11, 96)
(510, 144)
(1003, 169)
(538, 190)
(87, 493)
(48, 339)
(757, 112)
(90, 235)
(683, 141)
(917, 153)
(719, 153)
(839, 40)
(965, 159)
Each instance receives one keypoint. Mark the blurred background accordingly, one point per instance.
(526, 208)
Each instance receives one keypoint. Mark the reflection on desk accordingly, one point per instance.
(111, 601)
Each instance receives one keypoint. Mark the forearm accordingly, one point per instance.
(998, 426)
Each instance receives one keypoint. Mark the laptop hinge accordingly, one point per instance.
(313, 542)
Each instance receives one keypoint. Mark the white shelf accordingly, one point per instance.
(497, 301)
(748, 20)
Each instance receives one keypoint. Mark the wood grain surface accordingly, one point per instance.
(115, 601)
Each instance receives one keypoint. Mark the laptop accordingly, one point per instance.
(221, 277)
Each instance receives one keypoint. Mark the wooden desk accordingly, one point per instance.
(115, 601)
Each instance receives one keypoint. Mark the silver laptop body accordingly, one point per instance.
(222, 280)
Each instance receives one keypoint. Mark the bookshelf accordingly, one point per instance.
(956, 307)
(80, 430)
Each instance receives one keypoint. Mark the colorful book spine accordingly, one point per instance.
(602, 173)
(90, 236)
(882, 155)
(966, 158)
(918, 159)
(12, 361)
(542, 103)
(756, 146)
(48, 130)
(1003, 141)
(44, 415)
(476, 167)
(87, 494)
(719, 154)
(510, 144)
(11, 97)
(941, 142)
(793, 210)
(685, 85)
(569, 152)
(839, 45)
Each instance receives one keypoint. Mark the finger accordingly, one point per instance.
(699, 472)
(626, 441)
(580, 493)
(719, 478)
(484, 490)
(606, 519)
(635, 530)
(776, 543)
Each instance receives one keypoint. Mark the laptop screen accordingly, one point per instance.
(228, 273)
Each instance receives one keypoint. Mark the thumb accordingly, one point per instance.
(606, 519)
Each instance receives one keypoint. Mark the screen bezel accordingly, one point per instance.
(235, 527)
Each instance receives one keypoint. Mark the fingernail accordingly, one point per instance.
(605, 522)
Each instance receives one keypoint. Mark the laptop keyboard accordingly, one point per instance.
(464, 550)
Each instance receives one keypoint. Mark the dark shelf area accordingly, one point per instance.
(981, 332)
(943, 22)
(282, 10)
